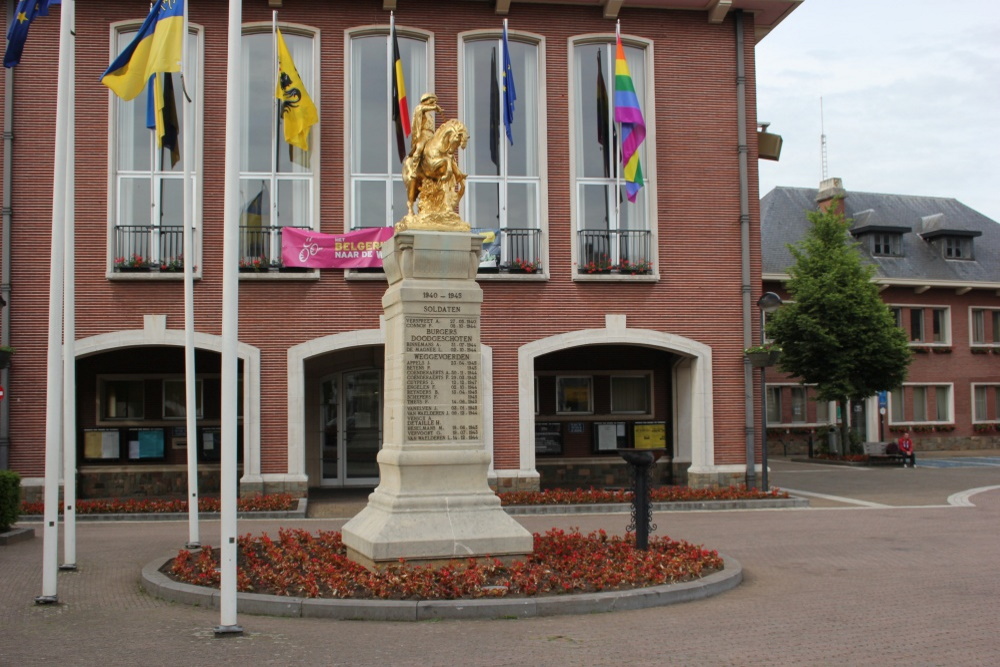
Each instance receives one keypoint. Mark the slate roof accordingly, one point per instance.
(783, 221)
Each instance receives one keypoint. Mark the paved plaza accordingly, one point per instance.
(888, 566)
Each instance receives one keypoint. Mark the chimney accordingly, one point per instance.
(831, 190)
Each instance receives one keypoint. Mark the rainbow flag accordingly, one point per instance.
(629, 115)
(156, 48)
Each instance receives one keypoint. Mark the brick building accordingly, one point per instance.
(937, 263)
(604, 321)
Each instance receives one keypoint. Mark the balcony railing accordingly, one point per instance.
(513, 250)
(144, 247)
(625, 251)
(260, 248)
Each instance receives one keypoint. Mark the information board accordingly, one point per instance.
(650, 435)
(548, 438)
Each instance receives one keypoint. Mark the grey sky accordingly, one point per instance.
(911, 97)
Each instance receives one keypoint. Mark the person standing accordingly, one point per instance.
(905, 445)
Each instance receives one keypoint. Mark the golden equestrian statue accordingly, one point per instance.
(431, 172)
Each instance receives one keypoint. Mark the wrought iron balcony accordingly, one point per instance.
(512, 250)
(146, 248)
(624, 251)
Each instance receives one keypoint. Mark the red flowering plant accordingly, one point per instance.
(299, 563)
(133, 261)
(276, 502)
(639, 267)
(254, 263)
(525, 266)
(600, 264)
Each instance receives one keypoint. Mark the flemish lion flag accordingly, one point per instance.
(298, 113)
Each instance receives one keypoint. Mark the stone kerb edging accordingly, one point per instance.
(682, 506)
(298, 513)
(160, 585)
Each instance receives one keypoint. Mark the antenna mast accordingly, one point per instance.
(822, 138)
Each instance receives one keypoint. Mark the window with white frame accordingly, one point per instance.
(503, 189)
(985, 326)
(278, 183)
(938, 330)
(957, 247)
(149, 180)
(795, 404)
(985, 403)
(919, 403)
(774, 407)
(121, 399)
(612, 232)
(376, 193)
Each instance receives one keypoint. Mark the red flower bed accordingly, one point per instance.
(301, 564)
(277, 502)
(662, 494)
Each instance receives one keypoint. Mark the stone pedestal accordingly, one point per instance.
(433, 501)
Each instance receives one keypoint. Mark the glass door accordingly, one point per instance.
(351, 414)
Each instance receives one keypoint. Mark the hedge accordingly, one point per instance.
(10, 498)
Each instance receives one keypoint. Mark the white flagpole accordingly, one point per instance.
(391, 59)
(275, 119)
(618, 144)
(69, 321)
(230, 325)
(503, 134)
(54, 387)
(190, 380)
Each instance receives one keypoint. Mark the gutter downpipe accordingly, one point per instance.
(8, 162)
(744, 151)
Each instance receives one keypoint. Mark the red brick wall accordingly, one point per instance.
(697, 182)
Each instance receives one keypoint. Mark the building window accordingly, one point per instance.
(985, 328)
(886, 244)
(376, 193)
(916, 325)
(175, 399)
(940, 324)
(630, 394)
(612, 233)
(822, 411)
(913, 403)
(986, 403)
(504, 188)
(277, 180)
(774, 405)
(574, 395)
(148, 181)
(122, 399)
(957, 247)
(798, 404)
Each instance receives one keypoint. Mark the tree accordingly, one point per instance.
(837, 333)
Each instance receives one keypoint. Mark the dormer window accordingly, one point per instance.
(887, 244)
(957, 247)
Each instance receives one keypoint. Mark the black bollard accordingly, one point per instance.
(640, 463)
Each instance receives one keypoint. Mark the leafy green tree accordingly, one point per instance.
(836, 332)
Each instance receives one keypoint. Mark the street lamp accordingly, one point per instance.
(768, 303)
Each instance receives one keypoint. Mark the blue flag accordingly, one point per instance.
(17, 33)
(509, 93)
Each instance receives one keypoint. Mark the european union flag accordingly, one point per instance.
(509, 93)
(17, 33)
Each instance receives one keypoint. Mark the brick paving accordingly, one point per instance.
(904, 580)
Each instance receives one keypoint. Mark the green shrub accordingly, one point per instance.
(10, 498)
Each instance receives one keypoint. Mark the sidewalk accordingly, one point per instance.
(823, 586)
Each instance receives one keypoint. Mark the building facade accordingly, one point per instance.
(605, 322)
(937, 263)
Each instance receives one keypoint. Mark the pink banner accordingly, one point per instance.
(350, 250)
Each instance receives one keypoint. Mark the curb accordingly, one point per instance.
(161, 586)
(13, 535)
(298, 513)
(685, 506)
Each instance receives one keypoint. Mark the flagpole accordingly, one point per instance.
(391, 60)
(190, 380)
(230, 326)
(618, 143)
(54, 364)
(69, 321)
(276, 115)
(502, 140)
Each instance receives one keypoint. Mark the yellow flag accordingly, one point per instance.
(298, 113)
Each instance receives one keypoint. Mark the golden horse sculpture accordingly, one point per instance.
(431, 173)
